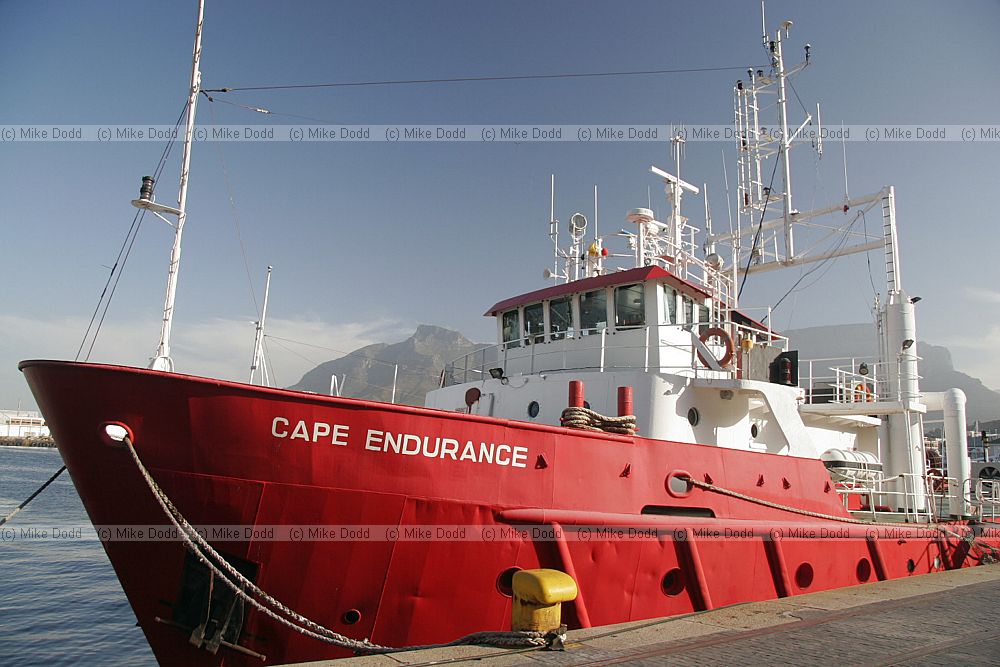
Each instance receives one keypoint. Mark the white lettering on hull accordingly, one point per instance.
(404, 444)
(321, 432)
(408, 444)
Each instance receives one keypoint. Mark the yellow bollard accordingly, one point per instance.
(538, 598)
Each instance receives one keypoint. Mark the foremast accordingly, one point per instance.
(161, 359)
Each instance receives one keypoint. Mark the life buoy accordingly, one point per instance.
(863, 392)
(716, 332)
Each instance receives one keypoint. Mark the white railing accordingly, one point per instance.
(983, 495)
(914, 487)
(841, 380)
(660, 348)
(987, 497)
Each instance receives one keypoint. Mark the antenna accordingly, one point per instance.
(819, 132)
(763, 24)
(843, 142)
(708, 211)
(553, 230)
(729, 202)
(552, 197)
(737, 239)
(597, 237)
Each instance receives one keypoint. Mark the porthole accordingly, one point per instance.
(754, 430)
(863, 570)
(910, 566)
(804, 575)
(505, 582)
(694, 416)
(533, 409)
(351, 616)
(672, 583)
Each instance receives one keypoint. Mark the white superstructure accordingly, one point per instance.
(701, 369)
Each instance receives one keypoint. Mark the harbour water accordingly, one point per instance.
(61, 603)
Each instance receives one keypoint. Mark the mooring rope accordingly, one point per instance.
(993, 555)
(197, 545)
(32, 496)
(588, 420)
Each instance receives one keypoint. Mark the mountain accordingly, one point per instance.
(936, 368)
(368, 372)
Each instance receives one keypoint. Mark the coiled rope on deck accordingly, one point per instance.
(588, 420)
(229, 575)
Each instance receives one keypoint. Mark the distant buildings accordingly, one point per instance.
(22, 424)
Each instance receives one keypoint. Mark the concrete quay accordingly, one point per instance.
(945, 618)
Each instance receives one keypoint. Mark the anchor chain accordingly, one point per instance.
(229, 575)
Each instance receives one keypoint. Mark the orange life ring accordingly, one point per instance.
(863, 392)
(726, 339)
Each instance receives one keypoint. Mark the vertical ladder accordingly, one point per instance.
(889, 240)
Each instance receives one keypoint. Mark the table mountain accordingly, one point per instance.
(368, 372)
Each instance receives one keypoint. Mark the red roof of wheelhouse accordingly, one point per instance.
(640, 274)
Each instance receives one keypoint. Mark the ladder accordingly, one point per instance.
(889, 239)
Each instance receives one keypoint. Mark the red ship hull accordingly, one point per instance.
(234, 454)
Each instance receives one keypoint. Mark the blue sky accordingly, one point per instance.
(370, 239)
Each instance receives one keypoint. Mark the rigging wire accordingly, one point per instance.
(267, 112)
(266, 360)
(236, 220)
(469, 79)
(788, 80)
(355, 353)
(760, 225)
(805, 275)
(123, 253)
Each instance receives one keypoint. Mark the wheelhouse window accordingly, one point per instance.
(534, 323)
(561, 318)
(630, 309)
(670, 304)
(688, 310)
(511, 329)
(703, 315)
(593, 311)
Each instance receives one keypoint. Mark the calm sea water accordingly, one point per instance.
(60, 602)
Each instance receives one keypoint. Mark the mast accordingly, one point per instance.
(258, 343)
(786, 141)
(161, 359)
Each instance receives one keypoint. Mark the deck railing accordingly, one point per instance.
(934, 490)
(852, 380)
